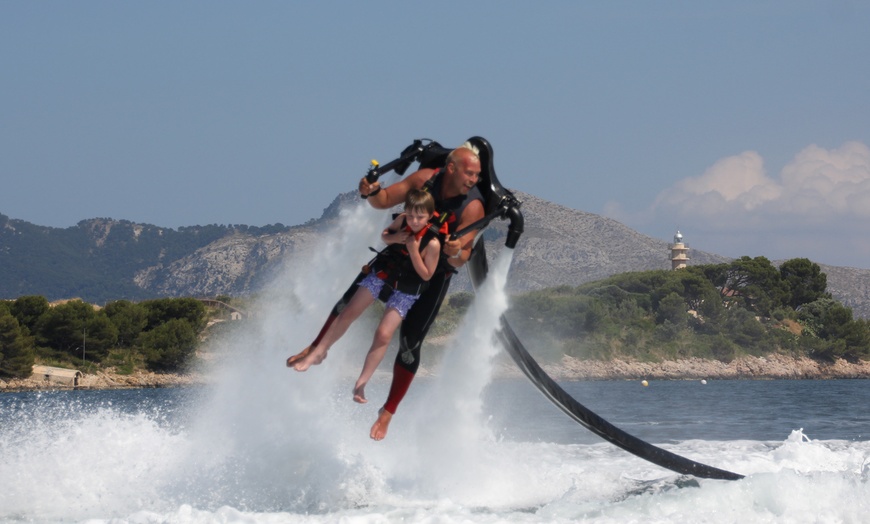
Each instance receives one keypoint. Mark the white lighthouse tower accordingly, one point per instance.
(679, 252)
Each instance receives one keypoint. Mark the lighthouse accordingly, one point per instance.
(679, 252)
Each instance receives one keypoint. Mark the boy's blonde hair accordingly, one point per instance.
(419, 200)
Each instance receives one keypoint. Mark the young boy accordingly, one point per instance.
(404, 269)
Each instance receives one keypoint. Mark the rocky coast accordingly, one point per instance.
(772, 366)
(108, 380)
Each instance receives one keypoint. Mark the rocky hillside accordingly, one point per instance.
(565, 246)
(103, 259)
(559, 246)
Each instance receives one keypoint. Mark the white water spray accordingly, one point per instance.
(450, 424)
(467, 368)
(271, 435)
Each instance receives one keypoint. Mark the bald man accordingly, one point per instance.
(454, 188)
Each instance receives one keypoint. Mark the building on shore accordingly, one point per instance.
(57, 376)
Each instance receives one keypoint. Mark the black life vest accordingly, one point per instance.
(393, 264)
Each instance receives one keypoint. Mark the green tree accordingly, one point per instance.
(752, 282)
(722, 348)
(130, 319)
(16, 349)
(744, 329)
(855, 334)
(163, 310)
(832, 323)
(805, 280)
(810, 316)
(672, 309)
(63, 327)
(169, 346)
(28, 309)
(101, 335)
(560, 311)
(700, 294)
(645, 314)
(824, 318)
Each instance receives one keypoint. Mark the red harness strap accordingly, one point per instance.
(442, 229)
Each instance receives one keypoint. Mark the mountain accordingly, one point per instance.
(100, 259)
(103, 259)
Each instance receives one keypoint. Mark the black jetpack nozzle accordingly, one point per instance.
(515, 229)
(508, 208)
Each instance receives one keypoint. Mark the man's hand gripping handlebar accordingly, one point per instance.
(369, 185)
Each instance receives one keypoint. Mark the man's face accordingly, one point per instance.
(466, 172)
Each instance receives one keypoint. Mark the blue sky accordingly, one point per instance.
(744, 124)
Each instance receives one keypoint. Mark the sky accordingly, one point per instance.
(744, 124)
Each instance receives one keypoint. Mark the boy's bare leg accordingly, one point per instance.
(314, 357)
(359, 393)
(380, 427)
(360, 301)
(298, 356)
(383, 334)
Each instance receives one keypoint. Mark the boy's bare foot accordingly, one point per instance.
(380, 427)
(291, 361)
(359, 394)
(314, 357)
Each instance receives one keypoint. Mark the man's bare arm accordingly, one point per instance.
(459, 251)
(386, 198)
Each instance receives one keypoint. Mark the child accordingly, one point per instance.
(404, 267)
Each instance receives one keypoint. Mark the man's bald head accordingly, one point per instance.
(465, 151)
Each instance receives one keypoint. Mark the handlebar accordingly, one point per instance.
(399, 165)
(508, 209)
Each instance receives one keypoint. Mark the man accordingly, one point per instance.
(454, 188)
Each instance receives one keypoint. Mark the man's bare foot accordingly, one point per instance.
(359, 394)
(291, 361)
(380, 427)
(314, 357)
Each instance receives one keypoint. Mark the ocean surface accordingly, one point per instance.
(266, 444)
(155, 455)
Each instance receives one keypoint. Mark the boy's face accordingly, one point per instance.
(417, 219)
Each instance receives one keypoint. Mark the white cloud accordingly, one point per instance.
(817, 206)
(836, 181)
(816, 183)
(736, 183)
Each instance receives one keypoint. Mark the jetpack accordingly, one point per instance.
(501, 203)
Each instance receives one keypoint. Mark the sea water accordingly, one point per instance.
(139, 456)
(263, 443)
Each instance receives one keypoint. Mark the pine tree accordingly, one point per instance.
(16, 349)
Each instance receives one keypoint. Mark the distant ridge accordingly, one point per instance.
(103, 259)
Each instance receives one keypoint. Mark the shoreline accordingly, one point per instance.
(745, 368)
(770, 367)
(106, 380)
